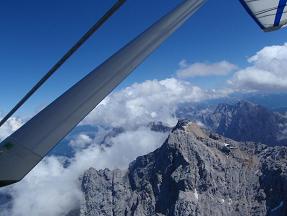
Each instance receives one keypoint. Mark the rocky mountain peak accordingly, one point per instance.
(195, 172)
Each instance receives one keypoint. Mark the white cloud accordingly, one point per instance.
(9, 127)
(221, 68)
(49, 189)
(80, 142)
(124, 148)
(149, 101)
(268, 70)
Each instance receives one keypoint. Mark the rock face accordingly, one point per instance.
(194, 172)
(243, 121)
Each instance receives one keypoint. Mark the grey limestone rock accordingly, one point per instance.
(195, 172)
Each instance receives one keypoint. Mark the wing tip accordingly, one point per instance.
(271, 29)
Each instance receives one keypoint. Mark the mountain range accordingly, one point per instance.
(195, 172)
(242, 121)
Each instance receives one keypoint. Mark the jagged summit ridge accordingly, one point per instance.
(195, 172)
(243, 121)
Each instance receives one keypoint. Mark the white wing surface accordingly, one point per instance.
(270, 15)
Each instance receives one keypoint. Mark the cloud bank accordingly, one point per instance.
(268, 71)
(149, 101)
(221, 68)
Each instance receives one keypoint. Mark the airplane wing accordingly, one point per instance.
(26, 147)
(270, 15)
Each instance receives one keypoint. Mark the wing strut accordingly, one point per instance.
(67, 55)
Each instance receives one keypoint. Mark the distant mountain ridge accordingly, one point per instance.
(195, 172)
(243, 121)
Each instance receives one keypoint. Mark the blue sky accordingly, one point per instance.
(34, 34)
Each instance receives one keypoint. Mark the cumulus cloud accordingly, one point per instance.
(268, 70)
(80, 142)
(124, 148)
(221, 68)
(53, 187)
(149, 101)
